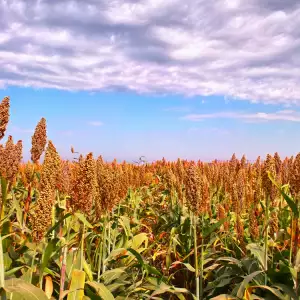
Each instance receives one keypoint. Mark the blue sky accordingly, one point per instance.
(159, 78)
(127, 125)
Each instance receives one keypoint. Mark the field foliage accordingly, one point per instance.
(90, 229)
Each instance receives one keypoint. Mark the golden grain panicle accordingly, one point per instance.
(83, 184)
(10, 159)
(4, 115)
(41, 216)
(39, 140)
(295, 176)
(269, 167)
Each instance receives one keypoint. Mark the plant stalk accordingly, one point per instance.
(4, 199)
(266, 238)
(202, 257)
(82, 248)
(196, 260)
(63, 273)
(104, 244)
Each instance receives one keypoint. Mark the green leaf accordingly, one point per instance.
(188, 266)
(137, 255)
(13, 271)
(111, 275)
(114, 286)
(21, 290)
(76, 291)
(138, 240)
(101, 290)
(87, 269)
(213, 227)
(125, 223)
(258, 252)
(2, 268)
(286, 197)
(242, 288)
(152, 270)
(286, 290)
(58, 223)
(272, 290)
(82, 218)
(291, 204)
(229, 259)
(16, 205)
(46, 256)
(223, 297)
(7, 261)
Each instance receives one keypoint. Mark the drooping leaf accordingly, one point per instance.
(286, 290)
(13, 271)
(138, 240)
(76, 291)
(46, 256)
(137, 256)
(82, 218)
(272, 290)
(2, 267)
(57, 224)
(245, 282)
(101, 290)
(286, 197)
(87, 270)
(188, 266)
(111, 275)
(213, 227)
(223, 297)
(258, 252)
(19, 289)
(7, 261)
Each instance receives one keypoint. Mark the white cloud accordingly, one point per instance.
(67, 133)
(283, 115)
(178, 108)
(212, 130)
(95, 123)
(16, 129)
(240, 49)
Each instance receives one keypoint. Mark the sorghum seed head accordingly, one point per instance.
(41, 215)
(253, 225)
(39, 140)
(10, 159)
(240, 232)
(269, 166)
(4, 115)
(243, 162)
(295, 176)
(274, 223)
(83, 184)
(278, 163)
(63, 183)
(193, 189)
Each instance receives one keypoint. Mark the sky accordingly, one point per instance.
(195, 79)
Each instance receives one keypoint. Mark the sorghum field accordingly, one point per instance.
(90, 229)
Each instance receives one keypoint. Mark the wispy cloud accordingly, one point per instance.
(212, 130)
(96, 123)
(16, 129)
(244, 49)
(178, 109)
(67, 133)
(282, 115)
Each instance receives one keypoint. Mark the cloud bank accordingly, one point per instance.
(96, 123)
(246, 49)
(282, 115)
